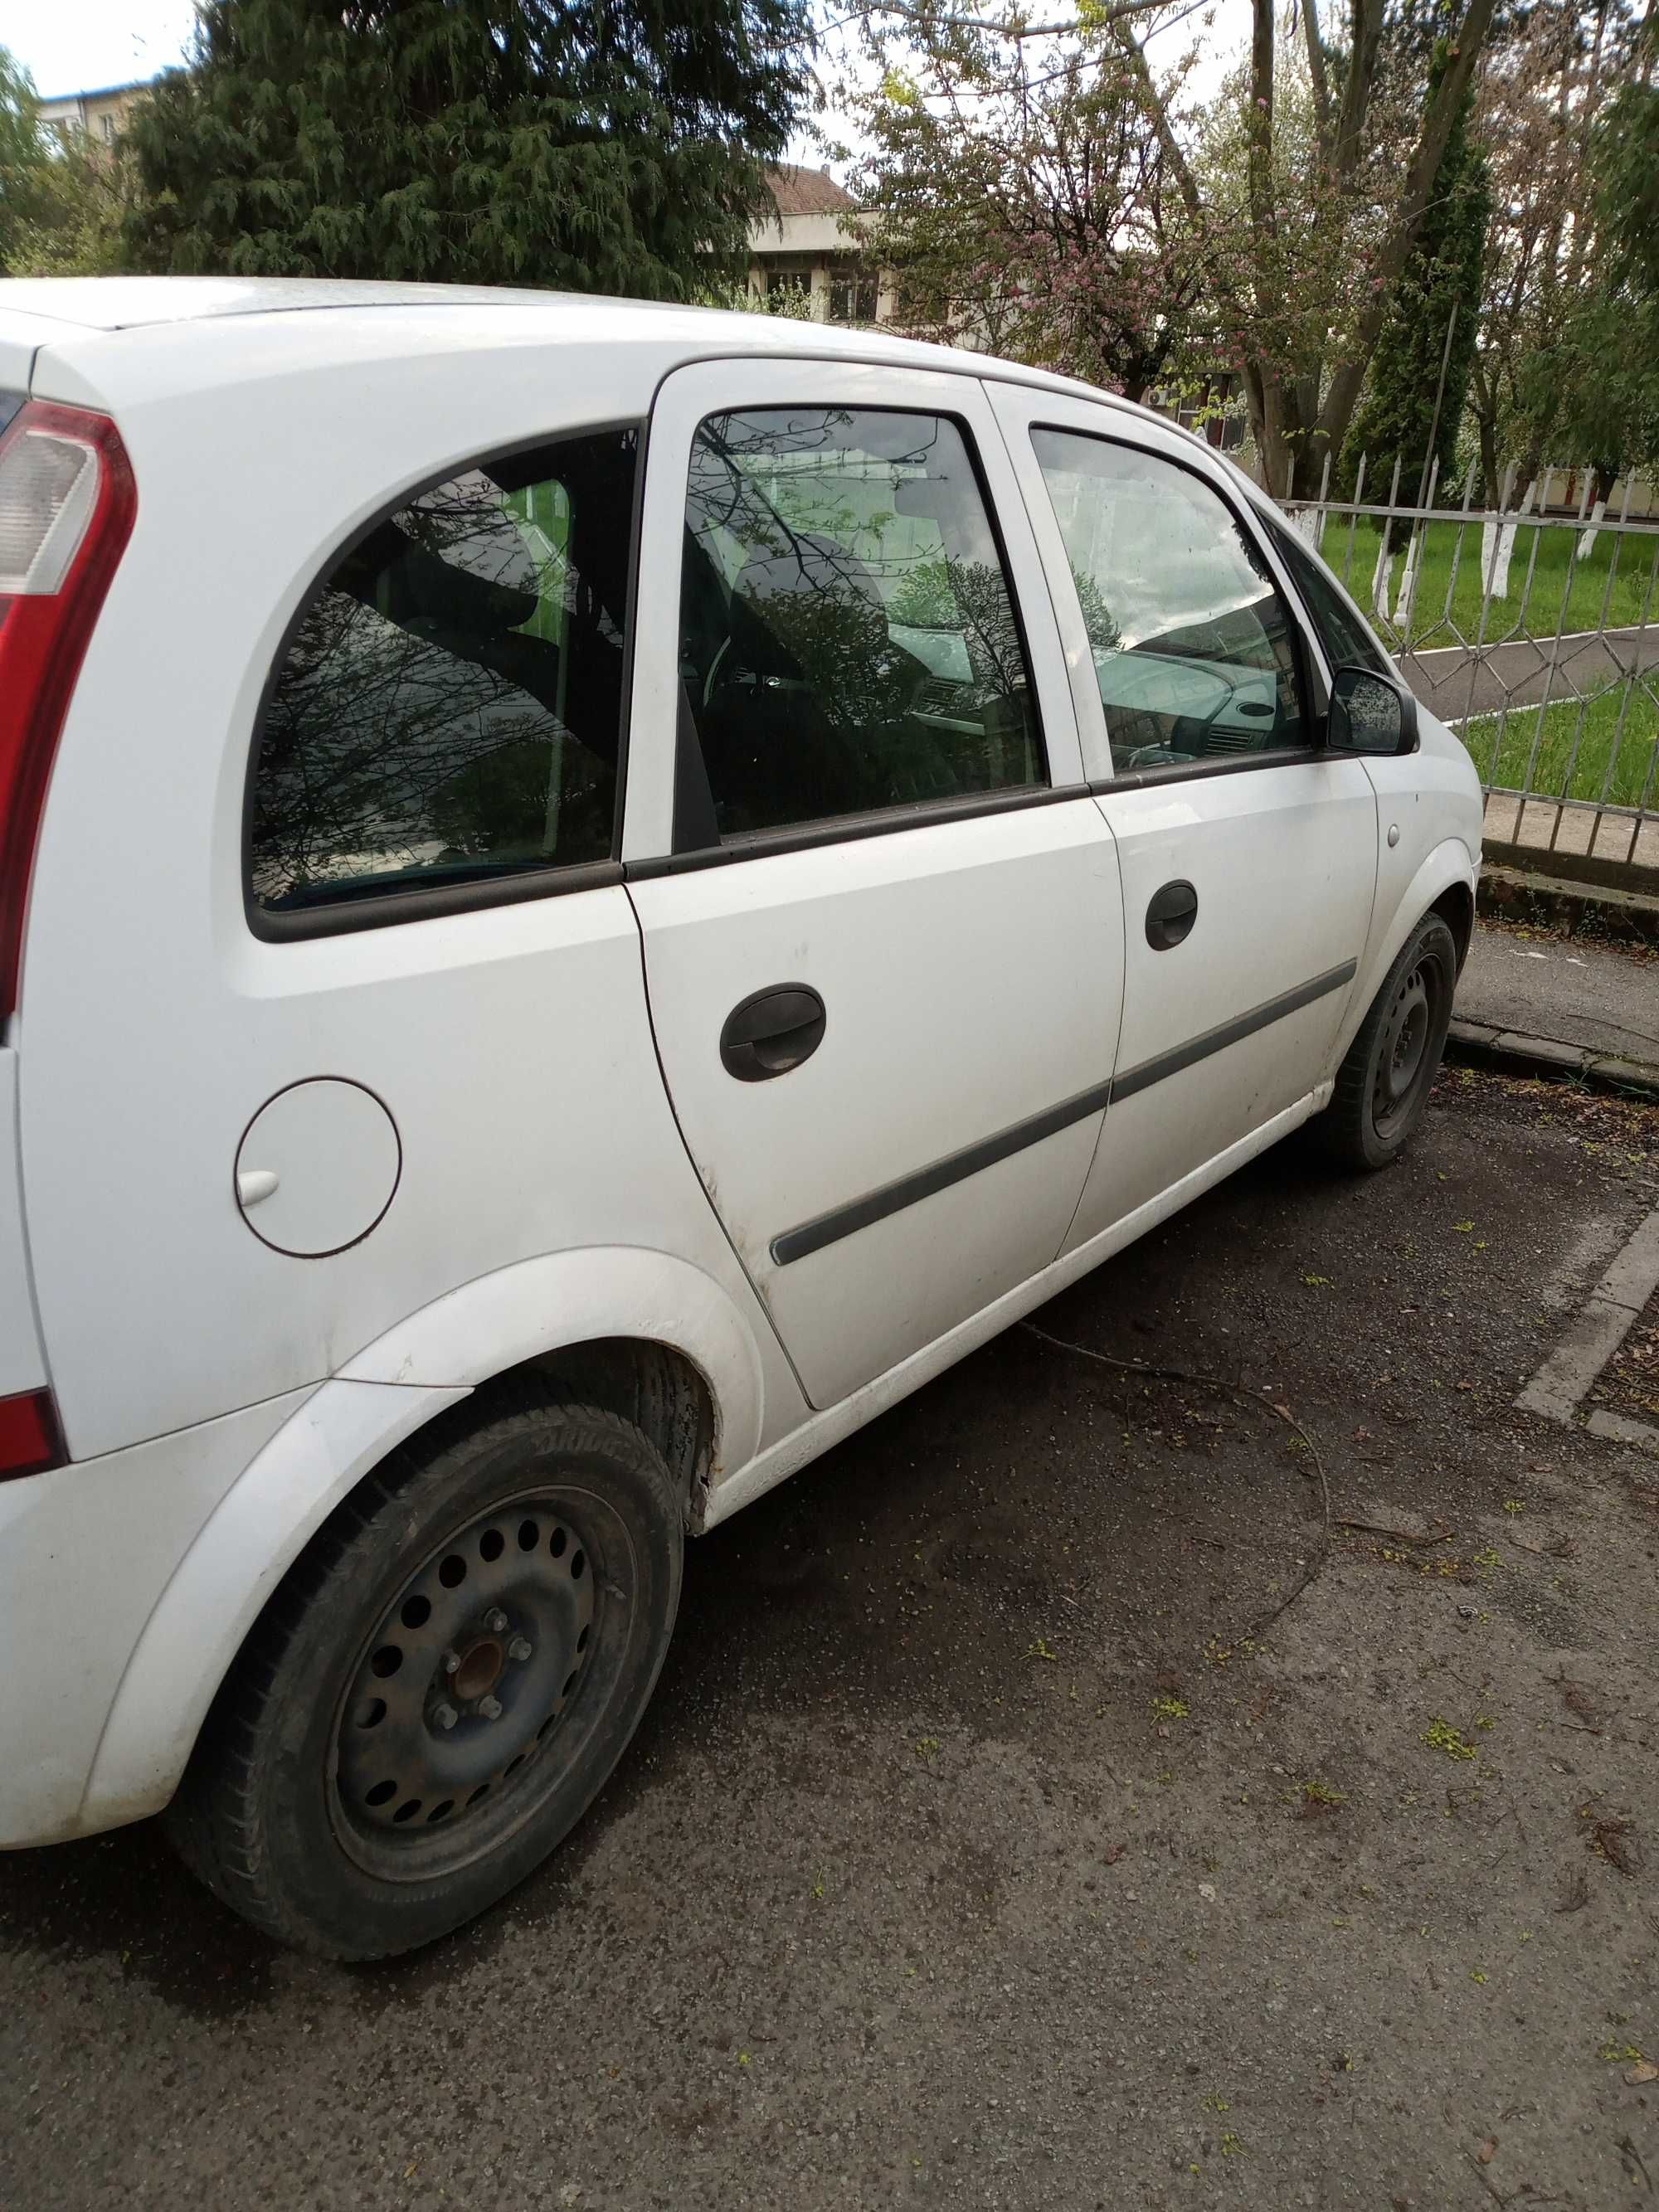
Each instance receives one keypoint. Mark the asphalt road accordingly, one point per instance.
(982, 1848)
(1456, 680)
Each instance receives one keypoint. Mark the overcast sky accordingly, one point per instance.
(80, 46)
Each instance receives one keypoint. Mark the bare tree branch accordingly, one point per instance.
(1366, 17)
(1321, 90)
(1259, 127)
(921, 17)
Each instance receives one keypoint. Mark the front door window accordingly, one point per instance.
(1192, 645)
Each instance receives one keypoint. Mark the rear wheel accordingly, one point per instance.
(1383, 1084)
(443, 1684)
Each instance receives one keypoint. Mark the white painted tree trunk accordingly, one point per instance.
(1380, 576)
(1403, 604)
(1587, 538)
(1497, 548)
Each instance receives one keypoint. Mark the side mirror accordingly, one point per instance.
(1371, 713)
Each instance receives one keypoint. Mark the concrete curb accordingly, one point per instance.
(1562, 903)
(1560, 1387)
(1511, 1052)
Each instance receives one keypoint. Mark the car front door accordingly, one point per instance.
(880, 911)
(1248, 854)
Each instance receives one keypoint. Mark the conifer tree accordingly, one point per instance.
(600, 145)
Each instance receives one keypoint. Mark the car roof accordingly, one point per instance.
(125, 303)
(109, 305)
(95, 327)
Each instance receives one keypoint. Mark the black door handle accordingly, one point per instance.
(772, 1031)
(1172, 913)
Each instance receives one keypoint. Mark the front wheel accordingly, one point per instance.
(1383, 1082)
(444, 1682)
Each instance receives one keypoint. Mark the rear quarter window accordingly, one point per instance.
(446, 714)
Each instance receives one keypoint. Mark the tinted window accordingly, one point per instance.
(848, 636)
(1193, 646)
(450, 705)
(1342, 631)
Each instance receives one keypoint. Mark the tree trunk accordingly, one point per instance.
(1342, 393)
(1490, 485)
(1284, 445)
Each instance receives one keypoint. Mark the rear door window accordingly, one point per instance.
(849, 639)
(446, 714)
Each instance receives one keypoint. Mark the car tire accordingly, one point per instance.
(444, 1682)
(1382, 1085)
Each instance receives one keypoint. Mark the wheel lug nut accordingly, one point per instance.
(518, 1649)
(446, 1715)
(451, 1662)
(490, 1708)
(495, 1622)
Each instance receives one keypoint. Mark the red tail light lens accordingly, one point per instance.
(67, 502)
(30, 1440)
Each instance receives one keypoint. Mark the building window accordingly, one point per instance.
(851, 296)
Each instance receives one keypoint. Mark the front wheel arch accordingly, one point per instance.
(1447, 872)
(1455, 907)
(1381, 1087)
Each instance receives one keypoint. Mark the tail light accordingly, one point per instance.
(30, 1440)
(66, 507)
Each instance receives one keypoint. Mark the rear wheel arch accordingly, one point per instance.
(698, 1400)
(642, 1331)
(289, 1807)
(655, 1386)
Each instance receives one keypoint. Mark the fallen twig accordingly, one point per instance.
(1239, 1396)
(1400, 1535)
(1636, 2160)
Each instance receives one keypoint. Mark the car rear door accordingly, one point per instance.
(1248, 854)
(881, 918)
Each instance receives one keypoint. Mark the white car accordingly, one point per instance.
(589, 894)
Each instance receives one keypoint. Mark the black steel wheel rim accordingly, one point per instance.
(1402, 1054)
(480, 1683)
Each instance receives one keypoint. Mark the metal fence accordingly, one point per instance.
(1535, 635)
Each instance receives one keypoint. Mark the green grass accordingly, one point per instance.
(543, 514)
(1574, 757)
(1539, 604)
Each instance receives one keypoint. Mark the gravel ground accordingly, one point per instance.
(1630, 1381)
(989, 1843)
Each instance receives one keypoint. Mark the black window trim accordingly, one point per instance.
(1280, 526)
(846, 828)
(1311, 692)
(545, 880)
(793, 836)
